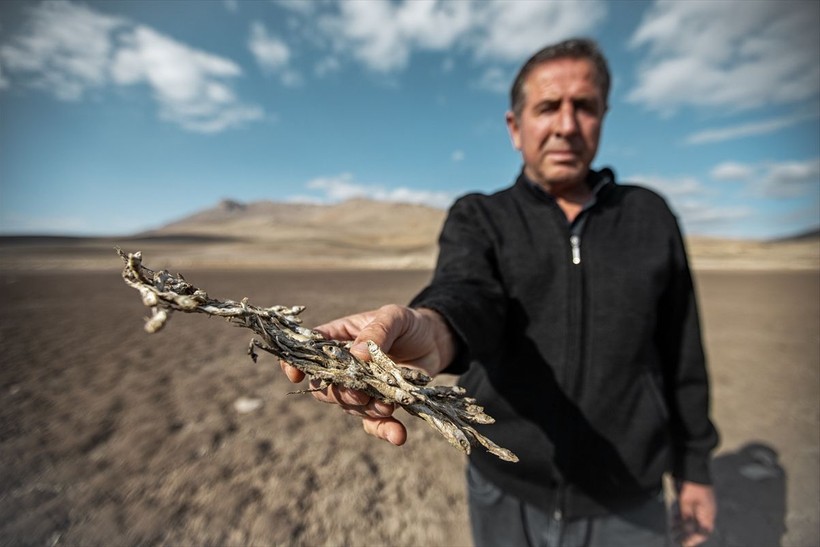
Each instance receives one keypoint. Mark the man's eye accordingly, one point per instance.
(589, 107)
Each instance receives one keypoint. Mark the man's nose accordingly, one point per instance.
(566, 123)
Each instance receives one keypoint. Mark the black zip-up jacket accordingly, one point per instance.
(593, 368)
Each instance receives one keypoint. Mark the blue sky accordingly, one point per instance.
(116, 117)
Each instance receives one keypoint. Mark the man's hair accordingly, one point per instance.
(574, 48)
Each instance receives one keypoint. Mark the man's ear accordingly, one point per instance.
(513, 129)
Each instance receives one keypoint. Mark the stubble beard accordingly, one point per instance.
(557, 179)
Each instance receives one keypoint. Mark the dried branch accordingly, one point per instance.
(445, 408)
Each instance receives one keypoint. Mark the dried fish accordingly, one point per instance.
(446, 408)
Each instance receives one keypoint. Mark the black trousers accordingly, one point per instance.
(500, 520)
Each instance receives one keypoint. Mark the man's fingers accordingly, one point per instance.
(380, 408)
(294, 374)
(345, 396)
(339, 395)
(331, 394)
(386, 324)
(696, 516)
(389, 429)
(373, 409)
(698, 526)
(694, 540)
(693, 537)
(706, 517)
(382, 326)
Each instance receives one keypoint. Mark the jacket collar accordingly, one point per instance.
(598, 182)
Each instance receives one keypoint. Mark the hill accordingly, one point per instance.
(355, 234)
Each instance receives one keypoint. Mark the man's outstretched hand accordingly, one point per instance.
(419, 338)
(376, 415)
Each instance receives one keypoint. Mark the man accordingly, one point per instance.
(566, 303)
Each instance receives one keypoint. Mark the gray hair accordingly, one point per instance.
(574, 48)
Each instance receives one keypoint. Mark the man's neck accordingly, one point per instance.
(572, 207)
(570, 196)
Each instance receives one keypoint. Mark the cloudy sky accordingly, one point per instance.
(121, 116)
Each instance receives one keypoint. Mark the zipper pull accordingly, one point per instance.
(575, 243)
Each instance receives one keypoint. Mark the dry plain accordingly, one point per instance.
(109, 435)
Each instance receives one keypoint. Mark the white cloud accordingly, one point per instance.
(272, 54)
(700, 215)
(791, 179)
(512, 31)
(731, 171)
(189, 85)
(699, 208)
(63, 48)
(383, 34)
(733, 54)
(671, 187)
(494, 79)
(774, 180)
(745, 130)
(327, 66)
(302, 7)
(344, 187)
(457, 156)
(67, 49)
(694, 203)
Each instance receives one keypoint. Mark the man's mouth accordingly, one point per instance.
(562, 154)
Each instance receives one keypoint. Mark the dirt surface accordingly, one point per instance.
(109, 435)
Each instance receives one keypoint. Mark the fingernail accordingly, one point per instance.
(384, 409)
(360, 350)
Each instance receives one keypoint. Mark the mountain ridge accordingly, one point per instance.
(354, 234)
(403, 223)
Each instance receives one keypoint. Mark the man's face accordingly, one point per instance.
(559, 126)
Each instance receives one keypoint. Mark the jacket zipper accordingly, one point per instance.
(558, 512)
(575, 244)
(578, 325)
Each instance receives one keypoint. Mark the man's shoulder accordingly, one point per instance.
(489, 210)
(639, 201)
(486, 199)
(637, 194)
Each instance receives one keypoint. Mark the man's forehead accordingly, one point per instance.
(566, 74)
(564, 68)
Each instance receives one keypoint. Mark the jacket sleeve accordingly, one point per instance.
(685, 376)
(466, 289)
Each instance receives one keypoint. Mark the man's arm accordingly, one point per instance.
(687, 390)
(419, 338)
(471, 303)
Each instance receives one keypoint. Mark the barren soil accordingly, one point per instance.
(109, 435)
